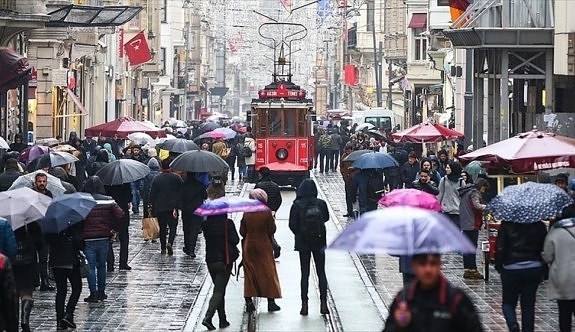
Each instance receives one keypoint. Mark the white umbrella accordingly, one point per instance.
(4, 144)
(23, 206)
(142, 139)
(163, 139)
(149, 124)
(27, 180)
(59, 158)
(47, 141)
(363, 126)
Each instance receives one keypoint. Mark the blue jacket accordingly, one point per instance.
(7, 239)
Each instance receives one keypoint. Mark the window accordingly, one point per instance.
(165, 11)
(381, 122)
(370, 15)
(442, 2)
(275, 122)
(420, 45)
(163, 59)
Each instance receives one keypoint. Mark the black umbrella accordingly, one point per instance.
(122, 171)
(200, 162)
(178, 145)
(209, 126)
(356, 154)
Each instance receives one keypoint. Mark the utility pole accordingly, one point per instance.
(184, 116)
(376, 65)
(389, 86)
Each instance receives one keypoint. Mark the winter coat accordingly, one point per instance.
(449, 195)
(7, 179)
(558, 251)
(519, 243)
(29, 241)
(104, 217)
(165, 192)
(8, 297)
(272, 190)
(260, 274)
(428, 187)
(345, 168)
(470, 208)
(306, 194)
(7, 239)
(65, 246)
(444, 309)
(214, 234)
(336, 142)
(193, 195)
(408, 173)
(122, 194)
(251, 160)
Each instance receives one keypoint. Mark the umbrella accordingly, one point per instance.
(27, 180)
(59, 158)
(474, 169)
(426, 133)
(178, 145)
(363, 126)
(123, 171)
(15, 69)
(32, 153)
(411, 197)
(210, 134)
(375, 160)
(199, 161)
(150, 124)
(122, 127)
(4, 144)
(47, 141)
(356, 154)
(67, 210)
(528, 152)
(228, 132)
(64, 148)
(142, 139)
(230, 204)
(529, 203)
(23, 206)
(402, 230)
(180, 124)
(209, 126)
(163, 139)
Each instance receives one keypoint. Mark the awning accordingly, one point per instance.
(418, 21)
(92, 16)
(78, 104)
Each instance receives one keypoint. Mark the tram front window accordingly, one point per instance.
(289, 122)
(275, 122)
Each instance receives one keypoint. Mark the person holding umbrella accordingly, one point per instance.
(122, 195)
(193, 195)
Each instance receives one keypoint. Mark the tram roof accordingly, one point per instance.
(307, 104)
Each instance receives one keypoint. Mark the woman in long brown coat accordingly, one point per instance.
(260, 274)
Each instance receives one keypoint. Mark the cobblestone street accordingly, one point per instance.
(383, 272)
(156, 295)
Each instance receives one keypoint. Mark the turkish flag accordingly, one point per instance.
(137, 50)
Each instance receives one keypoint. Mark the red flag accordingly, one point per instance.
(457, 8)
(137, 50)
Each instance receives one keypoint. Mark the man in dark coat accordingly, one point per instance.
(123, 197)
(409, 170)
(11, 173)
(193, 195)
(425, 184)
(165, 196)
(271, 188)
(18, 144)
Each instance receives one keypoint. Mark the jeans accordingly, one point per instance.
(324, 161)
(192, 226)
(469, 260)
(136, 187)
(124, 237)
(520, 283)
(250, 173)
(305, 264)
(566, 312)
(96, 252)
(242, 171)
(220, 274)
(166, 219)
(62, 276)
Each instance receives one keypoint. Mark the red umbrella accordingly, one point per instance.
(528, 152)
(426, 133)
(122, 127)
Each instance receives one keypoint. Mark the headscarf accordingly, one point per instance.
(455, 174)
(259, 194)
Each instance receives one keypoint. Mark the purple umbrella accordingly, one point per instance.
(33, 152)
(230, 204)
(402, 230)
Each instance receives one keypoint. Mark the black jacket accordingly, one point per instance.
(64, 246)
(29, 241)
(306, 194)
(408, 173)
(214, 233)
(444, 309)
(122, 194)
(165, 192)
(193, 195)
(7, 179)
(428, 187)
(273, 190)
(8, 297)
(519, 242)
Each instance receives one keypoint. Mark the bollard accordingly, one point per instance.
(485, 250)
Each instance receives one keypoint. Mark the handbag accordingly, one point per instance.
(83, 265)
(150, 228)
(276, 247)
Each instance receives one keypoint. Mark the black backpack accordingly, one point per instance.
(247, 151)
(375, 186)
(312, 225)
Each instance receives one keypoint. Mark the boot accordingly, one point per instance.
(304, 308)
(207, 321)
(26, 309)
(250, 307)
(272, 306)
(223, 321)
(45, 285)
(323, 309)
(69, 320)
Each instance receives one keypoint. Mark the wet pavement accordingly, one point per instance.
(384, 274)
(156, 295)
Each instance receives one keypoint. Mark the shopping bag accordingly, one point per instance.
(150, 228)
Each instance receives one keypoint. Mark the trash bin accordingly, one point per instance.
(493, 231)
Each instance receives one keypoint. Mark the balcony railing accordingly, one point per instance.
(8, 5)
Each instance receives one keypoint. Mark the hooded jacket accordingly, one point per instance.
(214, 229)
(470, 208)
(272, 190)
(306, 194)
(558, 252)
(193, 195)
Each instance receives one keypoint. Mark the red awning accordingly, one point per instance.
(418, 21)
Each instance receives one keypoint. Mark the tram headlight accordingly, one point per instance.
(282, 154)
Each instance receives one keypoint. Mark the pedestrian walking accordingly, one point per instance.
(471, 208)
(154, 166)
(260, 274)
(425, 184)
(101, 160)
(272, 189)
(324, 151)
(335, 148)
(122, 195)
(10, 174)
(231, 157)
(240, 158)
(40, 185)
(409, 170)
(307, 219)
(347, 172)
(558, 250)
(221, 251)
(250, 144)
(64, 251)
(165, 196)
(431, 303)
(98, 226)
(193, 195)
(9, 298)
(448, 191)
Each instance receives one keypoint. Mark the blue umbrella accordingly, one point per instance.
(402, 230)
(375, 160)
(67, 210)
(529, 202)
